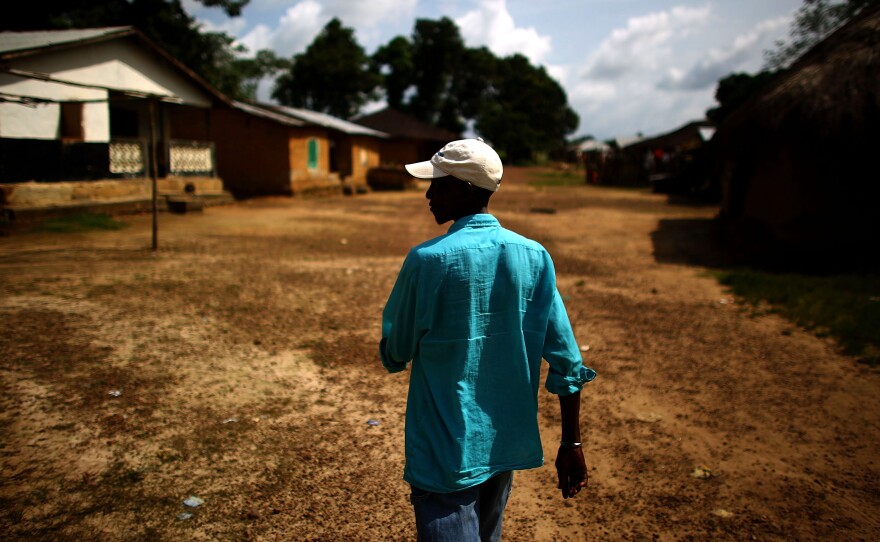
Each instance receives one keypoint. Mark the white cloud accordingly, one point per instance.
(492, 25)
(299, 25)
(615, 93)
(230, 26)
(264, 89)
(362, 14)
(296, 29)
(621, 110)
(560, 72)
(643, 44)
(716, 63)
(191, 6)
(592, 94)
(375, 21)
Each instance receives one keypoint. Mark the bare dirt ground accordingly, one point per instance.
(243, 363)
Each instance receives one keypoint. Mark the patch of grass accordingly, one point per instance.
(557, 178)
(845, 307)
(82, 222)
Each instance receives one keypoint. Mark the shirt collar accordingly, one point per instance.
(481, 220)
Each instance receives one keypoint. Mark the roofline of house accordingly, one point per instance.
(117, 32)
(425, 132)
(695, 124)
(122, 32)
(261, 112)
(309, 119)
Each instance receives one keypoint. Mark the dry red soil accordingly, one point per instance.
(239, 365)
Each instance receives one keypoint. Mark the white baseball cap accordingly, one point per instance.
(470, 160)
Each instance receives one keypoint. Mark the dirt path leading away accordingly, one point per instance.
(239, 365)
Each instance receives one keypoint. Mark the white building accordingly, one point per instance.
(75, 120)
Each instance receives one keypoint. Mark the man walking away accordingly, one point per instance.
(475, 311)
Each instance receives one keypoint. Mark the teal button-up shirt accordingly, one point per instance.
(475, 311)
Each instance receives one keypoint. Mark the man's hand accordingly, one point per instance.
(572, 470)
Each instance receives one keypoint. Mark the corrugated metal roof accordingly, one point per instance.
(267, 114)
(327, 121)
(23, 41)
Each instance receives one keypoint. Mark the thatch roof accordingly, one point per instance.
(831, 91)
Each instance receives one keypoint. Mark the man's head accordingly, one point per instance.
(464, 174)
(469, 160)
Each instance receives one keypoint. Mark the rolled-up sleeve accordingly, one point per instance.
(567, 374)
(399, 334)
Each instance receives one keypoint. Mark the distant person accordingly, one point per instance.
(475, 311)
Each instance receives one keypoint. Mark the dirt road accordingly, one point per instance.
(239, 365)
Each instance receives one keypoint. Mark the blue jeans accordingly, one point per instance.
(468, 515)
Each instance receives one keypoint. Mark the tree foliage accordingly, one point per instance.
(437, 52)
(212, 55)
(394, 63)
(734, 90)
(332, 76)
(526, 111)
(813, 22)
(436, 78)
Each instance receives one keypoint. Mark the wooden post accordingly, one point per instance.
(154, 174)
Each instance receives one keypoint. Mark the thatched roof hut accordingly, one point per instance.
(796, 162)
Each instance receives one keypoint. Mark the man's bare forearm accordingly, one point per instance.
(570, 465)
(570, 407)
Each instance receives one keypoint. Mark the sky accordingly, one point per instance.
(628, 67)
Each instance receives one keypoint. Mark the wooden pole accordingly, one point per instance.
(154, 174)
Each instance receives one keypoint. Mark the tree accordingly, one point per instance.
(231, 7)
(527, 111)
(473, 84)
(248, 72)
(422, 75)
(734, 90)
(212, 55)
(813, 22)
(394, 63)
(59, 14)
(438, 80)
(437, 50)
(332, 76)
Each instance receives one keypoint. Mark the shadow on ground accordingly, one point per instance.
(708, 242)
(691, 241)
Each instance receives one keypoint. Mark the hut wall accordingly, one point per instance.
(402, 151)
(251, 153)
(189, 123)
(311, 179)
(364, 156)
(803, 195)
